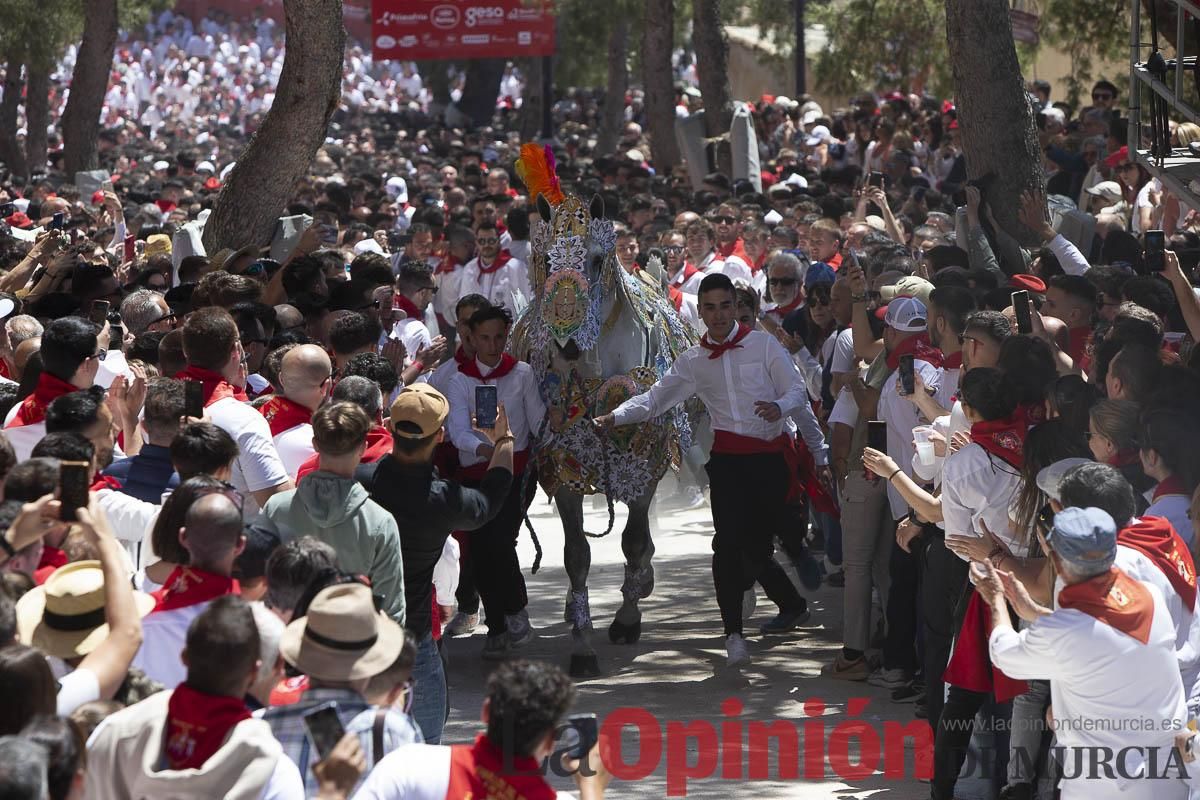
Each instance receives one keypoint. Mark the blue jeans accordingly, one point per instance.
(831, 526)
(429, 691)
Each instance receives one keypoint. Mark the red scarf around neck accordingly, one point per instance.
(1077, 344)
(33, 408)
(379, 444)
(918, 347)
(52, 559)
(215, 386)
(1168, 486)
(408, 307)
(283, 414)
(471, 368)
(503, 258)
(783, 311)
(735, 248)
(1115, 599)
(1154, 538)
(197, 724)
(1123, 458)
(952, 361)
(719, 349)
(461, 357)
(676, 298)
(188, 586)
(482, 770)
(1003, 438)
(684, 275)
(446, 265)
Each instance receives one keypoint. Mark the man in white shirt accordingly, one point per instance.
(680, 274)
(1108, 650)
(305, 375)
(493, 547)
(494, 273)
(214, 355)
(415, 290)
(701, 252)
(212, 535)
(749, 386)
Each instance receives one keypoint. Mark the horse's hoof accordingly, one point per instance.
(619, 633)
(584, 665)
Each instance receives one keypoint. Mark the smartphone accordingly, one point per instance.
(8, 209)
(485, 406)
(116, 336)
(99, 313)
(585, 726)
(1155, 243)
(907, 379)
(875, 179)
(1020, 302)
(877, 435)
(73, 479)
(130, 250)
(329, 234)
(324, 728)
(58, 221)
(193, 399)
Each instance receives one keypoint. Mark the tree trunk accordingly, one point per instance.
(89, 83)
(281, 150)
(658, 33)
(10, 153)
(712, 70)
(613, 114)
(37, 117)
(481, 87)
(995, 121)
(531, 99)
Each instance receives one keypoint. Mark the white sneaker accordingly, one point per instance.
(735, 651)
(462, 624)
(749, 603)
(888, 678)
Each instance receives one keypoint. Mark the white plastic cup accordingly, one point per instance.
(925, 453)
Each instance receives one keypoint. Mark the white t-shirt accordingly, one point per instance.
(76, 688)
(164, 635)
(258, 465)
(295, 447)
(1173, 508)
(413, 334)
(413, 772)
(901, 416)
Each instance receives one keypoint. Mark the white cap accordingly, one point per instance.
(228, 168)
(906, 314)
(202, 137)
(368, 245)
(397, 188)
(819, 135)
(798, 180)
(809, 117)
(772, 217)
(206, 165)
(1050, 478)
(21, 204)
(635, 155)
(1109, 190)
(161, 165)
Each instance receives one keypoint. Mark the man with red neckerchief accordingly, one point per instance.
(749, 385)
(366, 394)
(494, 273)
(415, 290)
(681, 275)
(785, 285)
(70, 360)
(304, 375)
(495, 568)
(525, 703)
(212, 535)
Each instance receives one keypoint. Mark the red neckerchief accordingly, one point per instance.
(676, 297)
(760, 262)
(52, 559)
(735, 248)
(283, 414)
(835, 262)
(33, 408)
(288, 691)
(166, 206)
(188, 586)
(1123, 458)
(1156, 539)
(970, 666)
(952, 361)
(106, 482)
(717, 350)
(1034, 413)
(482, 770)
(1115, 599)
(783, 311)
(918, 347)
(686, 272)
(501, 259)
(447, 264)
(1168, 486)
(197, 724)
(215, 386)
(1077, 344)
(1003, 438)
(506, 365)
(379, 444)
(4, 370)
(407, 306)
(460, 356)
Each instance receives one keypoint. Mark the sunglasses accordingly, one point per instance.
(673, 248)
(433, 289)
(99, 354)
(782, 281)
(227, 489)
(724, 220)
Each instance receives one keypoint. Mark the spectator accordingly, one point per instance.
(150, 473)
(293, 568)
(304, 374)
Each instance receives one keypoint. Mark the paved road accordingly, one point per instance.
(677, 672)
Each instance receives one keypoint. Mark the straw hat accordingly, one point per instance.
(343, 637)
(64, 617)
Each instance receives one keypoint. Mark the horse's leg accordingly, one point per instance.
(638, 547)
(577, 558)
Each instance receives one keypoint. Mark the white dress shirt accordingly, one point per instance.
(729, 386)
(901, 416)
(164, 635)
(977, 490)
(1174, 508)
(687, 285)
(295, 447)
(413, 334)
(517, 392)
(1104, 687)
(501, 287)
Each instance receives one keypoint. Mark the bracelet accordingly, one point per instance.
(503, 439)
(894, 474)
(420, 366)
(859, 298)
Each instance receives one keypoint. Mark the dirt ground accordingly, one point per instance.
(677, 673)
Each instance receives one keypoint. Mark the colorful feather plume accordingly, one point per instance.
(536, 168)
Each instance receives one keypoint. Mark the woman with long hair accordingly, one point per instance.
(1113, 436)
(1070, 398)
(164, 537)
(1028, 368)
(1169, 449)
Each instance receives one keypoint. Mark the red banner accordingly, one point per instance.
(420, 30)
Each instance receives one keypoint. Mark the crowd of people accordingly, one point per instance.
(245, 487)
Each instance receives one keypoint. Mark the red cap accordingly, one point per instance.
(97, 197)
(19, 219)
(212, 184)
(1117, 158)
(880, 313)
(947, 106)
(953, 125)
(1030, 283)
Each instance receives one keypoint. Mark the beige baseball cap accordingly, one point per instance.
(421, 405)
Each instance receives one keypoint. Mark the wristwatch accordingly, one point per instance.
(859, 298)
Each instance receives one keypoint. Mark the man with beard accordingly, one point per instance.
(494, 273)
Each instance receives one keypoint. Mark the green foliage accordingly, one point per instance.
(583, 31)
(1089, 31)
(39, 31)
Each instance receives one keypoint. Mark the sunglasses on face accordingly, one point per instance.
(724, 220)
(99, 354)
(672, 249)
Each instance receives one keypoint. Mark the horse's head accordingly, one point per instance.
(574, 255)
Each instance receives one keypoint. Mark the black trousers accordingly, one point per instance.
(466, 596)
(494, 564)
(900, 646)
(749, 508)
(944, 578)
